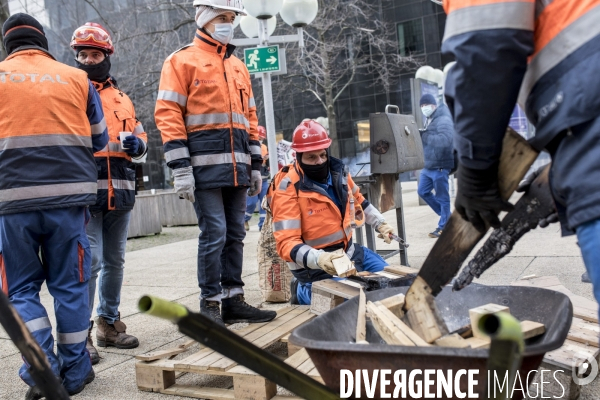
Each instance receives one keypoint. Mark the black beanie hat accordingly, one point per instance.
(23, 30)
(427, 99)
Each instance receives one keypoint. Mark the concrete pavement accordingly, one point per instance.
(169, 271)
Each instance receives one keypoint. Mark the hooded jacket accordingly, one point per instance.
(437, 140)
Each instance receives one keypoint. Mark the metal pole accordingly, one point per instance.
(268, 100)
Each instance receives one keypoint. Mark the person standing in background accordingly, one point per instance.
(265, 171)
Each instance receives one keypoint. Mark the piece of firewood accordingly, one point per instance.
(452, 340)
(478, 343)
(388, 331)
(464, 331)
(476, 313)
(394, 304)
(423, 316)
(344, 266)
(412, 335)
(532, 329)
(361, 320)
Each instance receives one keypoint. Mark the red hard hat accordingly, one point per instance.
(262, 132)
(310, 136)
(94, 35)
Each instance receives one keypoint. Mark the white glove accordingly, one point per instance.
(185, 183)
(384, 232)
(325, 262)
(255, 183)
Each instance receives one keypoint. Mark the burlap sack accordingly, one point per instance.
(274, 276)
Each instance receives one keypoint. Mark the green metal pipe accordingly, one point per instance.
(206, 331)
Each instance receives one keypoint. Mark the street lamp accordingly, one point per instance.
(296, 13)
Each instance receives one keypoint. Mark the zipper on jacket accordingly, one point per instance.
(235, 180)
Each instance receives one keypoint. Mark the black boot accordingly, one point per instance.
(88, 379)
(585, 278)
(212, 310)
(294, 291)
(34, 393)
(235, 310)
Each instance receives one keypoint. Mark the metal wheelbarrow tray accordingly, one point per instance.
(329, 338)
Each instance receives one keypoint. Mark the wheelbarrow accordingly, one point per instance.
(330, 338)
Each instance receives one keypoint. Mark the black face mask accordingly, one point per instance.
(317, 173)
(98, 72)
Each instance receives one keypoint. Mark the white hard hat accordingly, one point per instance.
(230, 5)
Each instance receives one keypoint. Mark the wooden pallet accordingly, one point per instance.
(328, 293)
(161, 375)
(582, 341)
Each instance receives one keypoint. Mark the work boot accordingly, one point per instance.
(585, 278)
(33, 393)
(294, 291)
(88, 379)
(435, 234)
(212, 309)
(89, 345)
(114, 335)
(235, 310)
(246, 225)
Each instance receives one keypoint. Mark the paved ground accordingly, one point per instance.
(165, 265)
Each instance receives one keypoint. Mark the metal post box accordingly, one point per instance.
(395, 143)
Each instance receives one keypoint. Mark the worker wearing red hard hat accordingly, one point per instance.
(107, 228)
(315, 206)
(265, 172)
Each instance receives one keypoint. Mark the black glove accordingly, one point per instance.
(524, 187)
(478, 199)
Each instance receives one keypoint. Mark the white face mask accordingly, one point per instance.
(428, 110)
(223, 33)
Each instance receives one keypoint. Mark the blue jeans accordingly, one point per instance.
(251, 205)
(371, 262)
(65, 267)
(440, 202)
(220, 244)
(107, 232)
(588, 236)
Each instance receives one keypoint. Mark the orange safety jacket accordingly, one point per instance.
(116, 171)
(51, 121)
(305, 218)
(545, 54)
(206, 114)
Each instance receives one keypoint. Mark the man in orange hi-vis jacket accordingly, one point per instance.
(207, 117)
(545, 54)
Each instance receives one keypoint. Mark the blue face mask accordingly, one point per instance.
(428, 110)
(223, 33)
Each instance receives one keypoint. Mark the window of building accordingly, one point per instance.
(410, 37)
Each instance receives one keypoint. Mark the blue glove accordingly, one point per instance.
(132, 145)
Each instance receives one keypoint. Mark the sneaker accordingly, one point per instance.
(212, 310)
(435, 234)
(585, 278)
(235, 310)
(294, 291)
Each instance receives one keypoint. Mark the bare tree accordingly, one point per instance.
(346, 37)
(4, 14)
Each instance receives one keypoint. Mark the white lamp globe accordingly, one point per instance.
(438, 76)
(299, 13)
(262, 9)
(426, 73)
(250, 25)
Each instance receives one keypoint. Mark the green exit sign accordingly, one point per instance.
(262, 59)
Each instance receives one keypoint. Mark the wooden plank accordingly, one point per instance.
(478, 343)
(452, 340)
(542, 281)
(532, 329)
(387, 274)
(150, 378)
(423, 315)
(343, 266)
(476, 313)
(394, 304)
(584, 332)
(569, 355)
(335, 288)
(297, 359)
(159, 354)
(268, 339)
(286, 338)
(386, 328)
(306, 366)
(401, 270)
(361, 320)
(351, 283)
(321, 302)
(405, 329)
(199, 392)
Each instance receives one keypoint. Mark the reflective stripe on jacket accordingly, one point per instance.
(116, 171)
(207, 115)
(50, 123)
(544, 52)
(304, 217)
